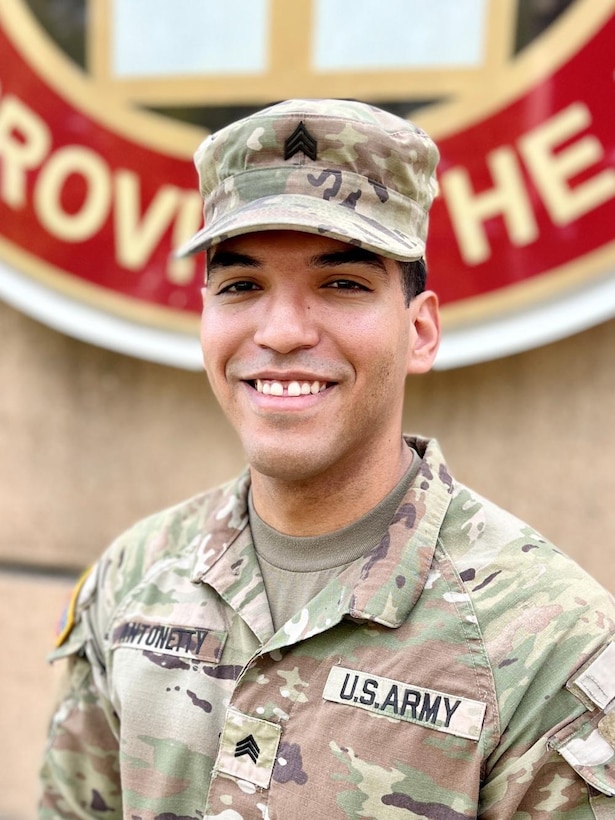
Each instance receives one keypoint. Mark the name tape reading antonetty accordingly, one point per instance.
(182, 641)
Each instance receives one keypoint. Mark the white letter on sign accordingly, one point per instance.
(552, 172)
(137, 237)
(189, 220)
(25, 140)
(508, 198)
(73, 227)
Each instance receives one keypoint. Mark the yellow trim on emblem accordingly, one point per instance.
(71, 608)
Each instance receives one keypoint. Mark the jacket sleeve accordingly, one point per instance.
(548, 630)
(80, 772)
(566, 770)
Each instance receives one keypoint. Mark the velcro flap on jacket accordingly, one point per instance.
(594, 684)
(588, 743)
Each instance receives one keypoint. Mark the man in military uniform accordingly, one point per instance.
(344, 631)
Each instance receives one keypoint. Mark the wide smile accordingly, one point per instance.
(290, 388)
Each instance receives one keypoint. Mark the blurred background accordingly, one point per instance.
(106, 415)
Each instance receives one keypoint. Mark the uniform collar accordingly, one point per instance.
(226, 560)
(393, 575)
(382, 586)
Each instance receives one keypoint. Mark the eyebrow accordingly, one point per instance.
(227, 259)
(348, 256)
(352, 255)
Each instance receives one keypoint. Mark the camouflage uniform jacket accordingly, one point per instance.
(463, 668)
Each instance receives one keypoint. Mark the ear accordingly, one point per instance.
(204, 298)
(424, 332)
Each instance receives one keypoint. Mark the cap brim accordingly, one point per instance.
(306, 214)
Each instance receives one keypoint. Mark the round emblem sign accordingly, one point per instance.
(98, 126)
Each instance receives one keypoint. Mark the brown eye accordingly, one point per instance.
(346, 284)
(239, 287)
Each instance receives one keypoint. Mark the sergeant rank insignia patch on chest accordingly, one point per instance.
(395, 699)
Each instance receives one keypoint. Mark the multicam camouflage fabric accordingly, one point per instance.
(336, 168)
(463, 668)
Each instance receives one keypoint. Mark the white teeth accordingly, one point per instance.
(295, 388)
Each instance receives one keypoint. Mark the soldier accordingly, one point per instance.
(345, 631)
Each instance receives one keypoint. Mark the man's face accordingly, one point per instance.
(307, 342)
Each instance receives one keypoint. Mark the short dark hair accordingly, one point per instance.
(413, 278)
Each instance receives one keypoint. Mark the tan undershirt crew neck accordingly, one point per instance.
(295, 569)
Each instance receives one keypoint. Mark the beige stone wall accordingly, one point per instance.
(91, 440)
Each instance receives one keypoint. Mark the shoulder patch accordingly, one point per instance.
(67, 620)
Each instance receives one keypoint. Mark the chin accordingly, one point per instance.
(282, 465)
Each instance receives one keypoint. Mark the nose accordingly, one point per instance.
(286, 323)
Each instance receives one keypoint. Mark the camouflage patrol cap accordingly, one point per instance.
(337, 168)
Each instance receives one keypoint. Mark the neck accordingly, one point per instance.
(327, 502)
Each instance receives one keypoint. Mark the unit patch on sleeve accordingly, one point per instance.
(396, 699)
(67, 621)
